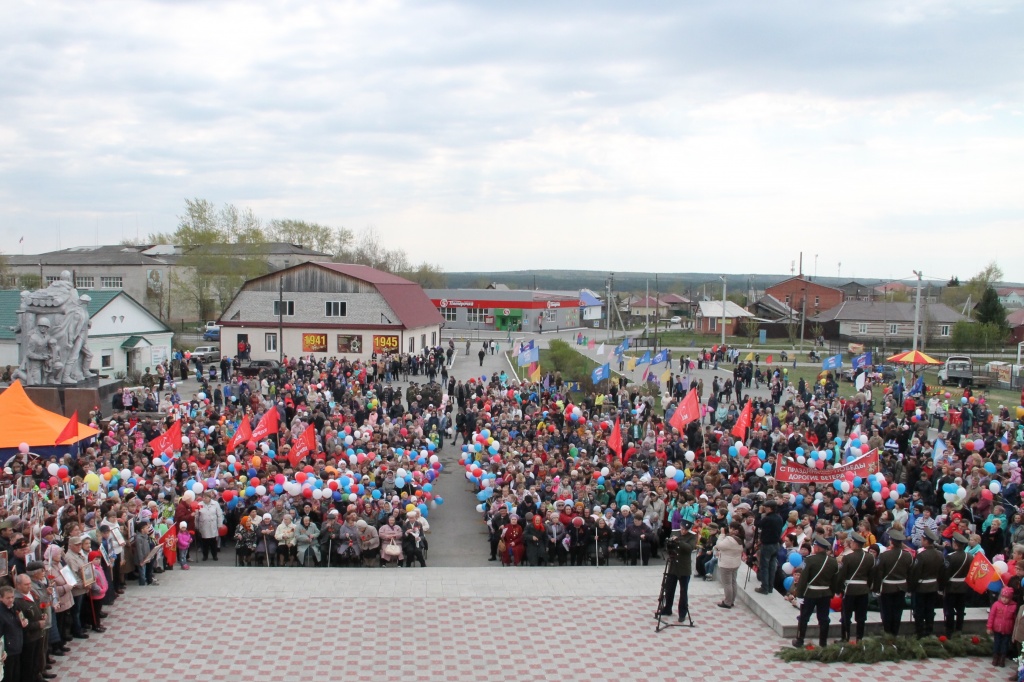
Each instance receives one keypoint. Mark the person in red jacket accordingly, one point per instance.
(1000, 625)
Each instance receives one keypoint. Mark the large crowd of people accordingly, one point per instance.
(327, 463)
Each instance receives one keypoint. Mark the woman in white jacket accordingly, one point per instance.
(729, 551)
(209, 519)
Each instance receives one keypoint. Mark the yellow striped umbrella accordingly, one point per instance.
(913, 357)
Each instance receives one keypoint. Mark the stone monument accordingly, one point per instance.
(52, 330)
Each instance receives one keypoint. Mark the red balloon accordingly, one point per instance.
(251, 446)
(222, 531)
(307, 492)
(254, 481)
(228, 495)
(332, 484)
(836, 603)
(308, 468)
(53, 480)
(671, 484)
(300, 477)
(969, 446)
(280, 479)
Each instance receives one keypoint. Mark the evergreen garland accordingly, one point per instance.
(875, 649)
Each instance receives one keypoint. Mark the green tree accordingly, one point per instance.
(332, 240)
(750, 327)
(990, 310)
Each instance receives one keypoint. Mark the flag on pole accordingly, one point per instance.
(615, 439)
(749, 357)
(833, 362)
(600, 350)
(688, 411)
(981, 574)
(643, 377)
(862, 360)
(169, 540)
(534, 373)
(167, 442)
(660, 357)
(268, 426)
(739, 430)
(666, 375)
(303, 446)
(69, 431)
(601, 373)
(769, 359)
(243, 434)
(591, 344)
(645, 359)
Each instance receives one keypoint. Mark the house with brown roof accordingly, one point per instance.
(329, 309)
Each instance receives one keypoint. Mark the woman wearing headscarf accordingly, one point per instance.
(266, 545)
(390, 535)
(245, 541)
(412, 541)
(534, 536)
(286, 541)
(599, 542)
(307, 541)
(369, 541)
(348, 541)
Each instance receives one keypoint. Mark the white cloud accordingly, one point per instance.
(719, 138)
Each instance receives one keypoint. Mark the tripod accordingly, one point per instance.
(662, 624)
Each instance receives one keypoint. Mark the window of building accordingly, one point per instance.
(412, 344)
(862, 328)
(817, 301)
(336, 309)
(476, 314)
(713, 323)
(944, 330)
(433, 338)
(449, 314)
(107, 358)
(111, 282)
(789, 299)
(85, 282)
(894, 329)
(50, 279)
(282, 308)
(270, 342)
(550, 315)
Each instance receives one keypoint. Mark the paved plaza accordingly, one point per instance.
(219, 623)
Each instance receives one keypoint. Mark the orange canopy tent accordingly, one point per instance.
(22, 421)
(913, 357)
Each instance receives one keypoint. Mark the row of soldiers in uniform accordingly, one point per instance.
(897, 571)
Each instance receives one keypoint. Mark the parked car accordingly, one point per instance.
(207, 354)
(875, 373)
(959, 370)
(211, 324)
(211, 335)
(256, 368)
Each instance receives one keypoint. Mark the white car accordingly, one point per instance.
(676, 320)
(209, 326)
(207, 354)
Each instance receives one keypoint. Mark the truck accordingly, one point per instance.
(959, 370)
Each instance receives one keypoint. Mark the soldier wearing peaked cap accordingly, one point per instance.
(817, 585)
(925, 575)
(889, 581)
(855, 582)
(954, 585)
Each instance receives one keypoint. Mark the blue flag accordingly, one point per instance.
(645, 359)
(660, 357)
(862, 360)
(834, 362)
(622, 347)
(528, 356)
(599, 373)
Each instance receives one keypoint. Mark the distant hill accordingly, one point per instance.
(679, 282)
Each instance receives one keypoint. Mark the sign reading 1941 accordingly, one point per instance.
(314, 343)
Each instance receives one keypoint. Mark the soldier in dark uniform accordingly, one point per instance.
(680, 568)
(889, 580)
(954, 584)
(855, 581)
(816, 587)
(925, 575)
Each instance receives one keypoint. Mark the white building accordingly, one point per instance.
(123, 335)
(329, 309)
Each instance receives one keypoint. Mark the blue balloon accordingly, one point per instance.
(854, 500)
(799, 451)
(250, 491)
(399, 482)
(278, 489)
(767, 466)
(828, 455)
(271, 454)
(901, 488)
(855, 443)
(361, 489)
(876, 486)
(252, 472)
(733, 451)
(796, 559)
(336, 495)
(232, 503)
(761, 454)
(600, 480)
(431, 447)
(427, 487)
(857, 480)
(484, 494)
(375, 494)
(963, 401)
(478, 447)
(800, 500)
(995, 586)
(679, 476)
(890, 503)
(990, 467)
(837, 484)
(787, 582)
(439, 500)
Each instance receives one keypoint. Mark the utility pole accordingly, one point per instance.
(608, 322)
(657, 309)
(647, 308)
(803, 317)
(280, 320)
(917, 309)
(724, 284)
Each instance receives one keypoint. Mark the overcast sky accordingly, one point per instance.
(715, 137)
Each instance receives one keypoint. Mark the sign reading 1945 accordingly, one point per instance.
(385, 343)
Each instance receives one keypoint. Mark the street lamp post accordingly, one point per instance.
(724, 285)
(917, 309)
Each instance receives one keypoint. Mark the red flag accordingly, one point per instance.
(688, 411)
(167, 442)
(70, 430)
(243, 434)
(769, 359)
(743, 423)
(981, 574)
(615, 439)
(303, 445)
(170, 542)
(268, 426)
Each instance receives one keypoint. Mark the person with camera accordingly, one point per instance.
(816, 586)
(680, 567)
(855, 579)
(770, 528)
(729, 551)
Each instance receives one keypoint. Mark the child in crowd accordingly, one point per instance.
(1000, 625)
(184, 542)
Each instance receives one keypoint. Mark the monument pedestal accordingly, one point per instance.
(85, 397)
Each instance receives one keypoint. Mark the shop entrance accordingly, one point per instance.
(508, 319)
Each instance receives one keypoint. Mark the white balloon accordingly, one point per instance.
(845, 486)
(800, 459)
(690, 456)
(759, 472)
(787, 568)
(317, 493)
(188, 496)
(995, 487)
(401, 473)
(604, 471)
(961, 492)
(231, 459)
(125, 474)
(265, 447)
(198, 488)
(670, 472)
(877, 497)
(53, 469)
(261, 490)
(894, 494)
(184, 440)
(1000, 566)
(357, 435)
(353, 497)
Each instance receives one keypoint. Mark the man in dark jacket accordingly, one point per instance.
(680, 568)
(770, 525)
(11, 630)
(32, 653)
